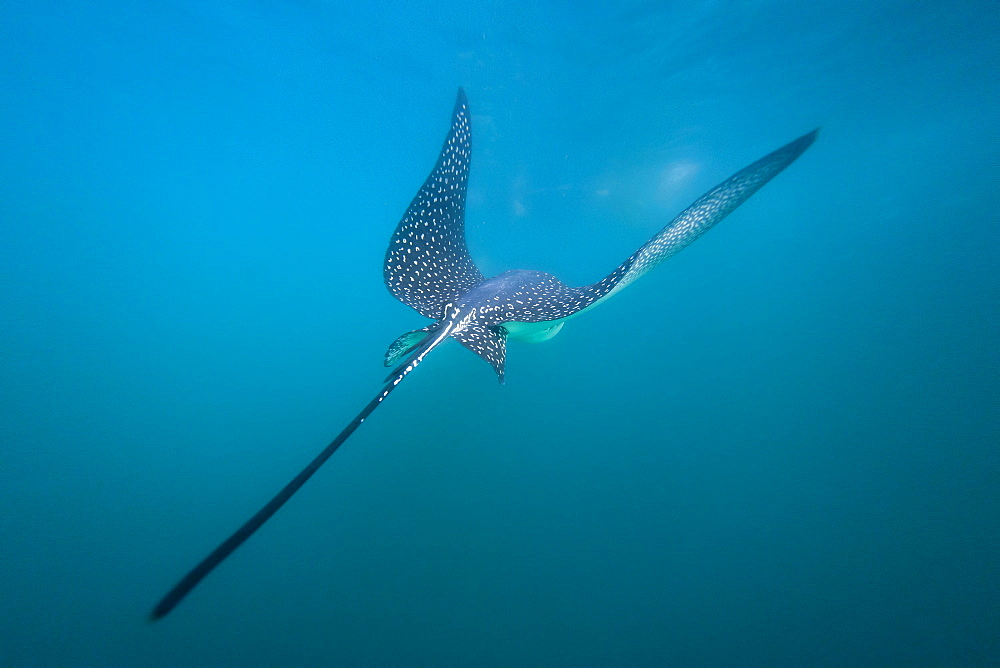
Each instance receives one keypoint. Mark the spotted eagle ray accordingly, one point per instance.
(428, 267)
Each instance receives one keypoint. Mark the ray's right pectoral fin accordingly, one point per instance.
(490, 343)
(697, 219)
(405, 344)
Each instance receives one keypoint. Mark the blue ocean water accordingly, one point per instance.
(779, 448)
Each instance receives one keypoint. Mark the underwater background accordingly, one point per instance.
(781, 447)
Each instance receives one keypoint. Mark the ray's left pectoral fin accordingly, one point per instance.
(405, 344)
(490, 343)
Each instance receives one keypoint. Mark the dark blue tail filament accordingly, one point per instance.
(228, 546)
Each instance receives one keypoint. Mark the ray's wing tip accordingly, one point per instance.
(787, 154)
(460, 99)
(798, 146)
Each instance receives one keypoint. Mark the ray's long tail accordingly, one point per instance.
(228, 546)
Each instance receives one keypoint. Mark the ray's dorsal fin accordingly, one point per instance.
(427, 264)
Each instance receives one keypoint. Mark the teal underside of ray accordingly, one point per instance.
(533, 332)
